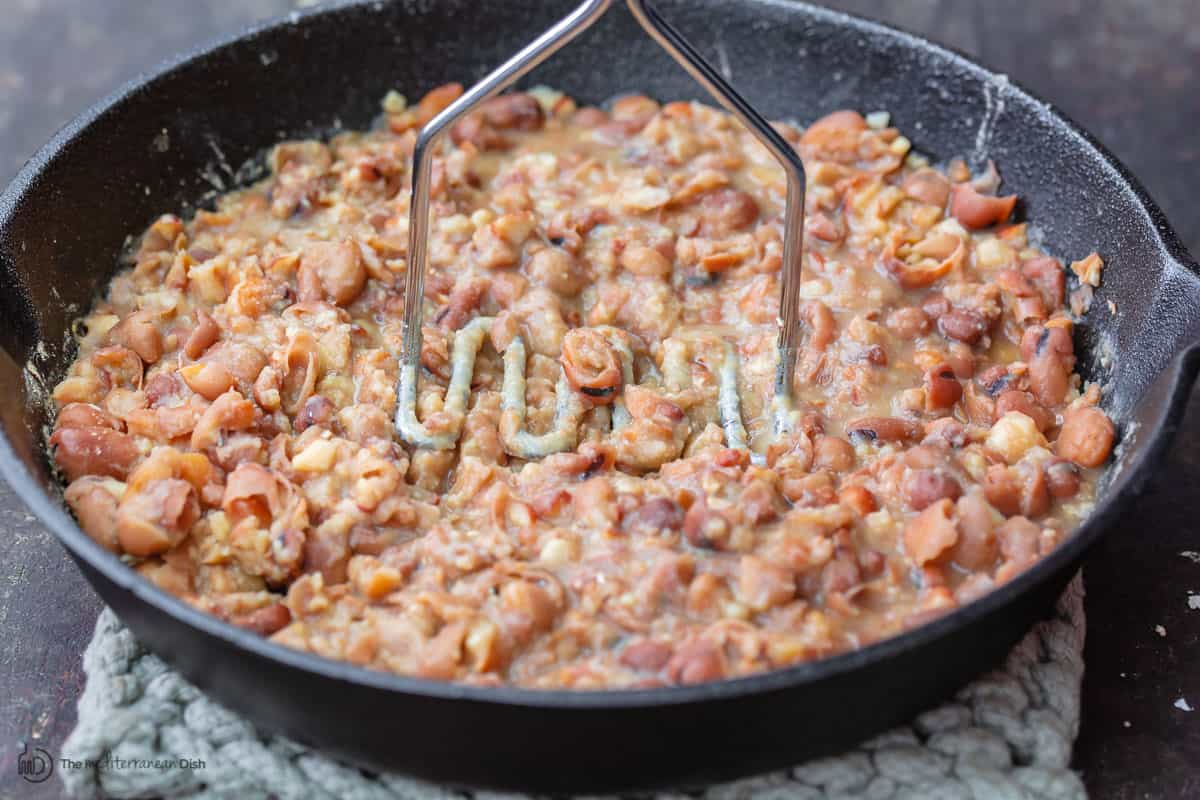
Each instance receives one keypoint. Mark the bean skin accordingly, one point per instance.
(977, 211)
(928, 186)
(697, 661)
(931, 532)
(1086, 437)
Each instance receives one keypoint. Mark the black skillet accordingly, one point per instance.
(167, 141)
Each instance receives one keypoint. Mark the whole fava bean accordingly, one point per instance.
(317, 410)
(833, 454)
(653, 517)
(927, 186)
(921, 488)
(696, 661)
(266, 620)
(706, 528)
(633, 111)
(975, 210)
(882, 429)
(836, 136)
(208, 379)
(931, 533)
(1018, 539)
(93, 451)
(1002, 490)
(1035, 491)
(139, 333)
(1025, 403)
(962, 325)
(557, 270)
(645, 262)
(86, 415)
(94, 503)
(935, 304)
(977, 547)
(1063, 478)
(942, 389)
(724, 212)
(514, 111)
(646, 655)
(908, 323)
(203, 336)
(1050, 353)
(589, 117)
(1086, 437)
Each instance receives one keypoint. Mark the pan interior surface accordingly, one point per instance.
(201, 128)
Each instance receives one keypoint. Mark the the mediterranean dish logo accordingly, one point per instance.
(35, 764)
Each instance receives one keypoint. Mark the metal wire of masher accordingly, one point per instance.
(569, 409)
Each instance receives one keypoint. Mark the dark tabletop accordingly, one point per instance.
(1128, 70)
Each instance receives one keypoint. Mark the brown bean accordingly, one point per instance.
(1018, 540)
(759, 502)
(93, 451)
(1035, 491)
(437, 100)
(977, 547)
(836, 136)
(963, 325)
(331, 269)
(654, 517)
(266, 620)
(942, 389)
(557, 270)
(203, 336)
(229, 412)
(705, 527)
(209, 379)
(1002, 490)
(696, 661)
(1063, 479)
(96, 509)
(921, 488)
(935, 304)
(1024, 402)
(633, 111)
(646, 655)
(931, 533)
(975, 210)
(1050, 353)
(1048, 275)
(927, 186)
(832, 453)
(139, 333)
(908, 323)
(86, 415)
(1086, 437)
(762, 585)
(882, 429)
(317, 410)
(820, 320)
(724, 212)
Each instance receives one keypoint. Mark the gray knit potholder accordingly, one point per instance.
(142, 729)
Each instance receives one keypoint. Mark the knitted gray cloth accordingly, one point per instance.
(142, 729)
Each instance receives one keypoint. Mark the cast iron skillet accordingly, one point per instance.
(166, 140)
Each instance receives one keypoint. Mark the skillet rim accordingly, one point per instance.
(1181, 367)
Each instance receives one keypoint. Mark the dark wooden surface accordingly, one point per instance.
(1127, 70)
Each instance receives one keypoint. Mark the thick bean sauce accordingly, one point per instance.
(227, 423)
